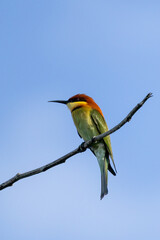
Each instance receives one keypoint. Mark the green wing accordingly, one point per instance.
(102, 127)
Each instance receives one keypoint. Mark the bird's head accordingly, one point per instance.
(78, 101)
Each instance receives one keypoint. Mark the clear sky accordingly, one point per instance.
(54, 49)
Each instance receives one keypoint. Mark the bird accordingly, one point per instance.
(90, 122)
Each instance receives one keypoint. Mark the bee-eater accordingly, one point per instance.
(89, 121)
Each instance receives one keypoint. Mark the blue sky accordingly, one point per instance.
(52, 50)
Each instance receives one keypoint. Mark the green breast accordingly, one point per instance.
(83, 123)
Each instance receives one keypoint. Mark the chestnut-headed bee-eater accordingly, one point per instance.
(89, 121)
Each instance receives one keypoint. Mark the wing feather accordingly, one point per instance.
(102, 127)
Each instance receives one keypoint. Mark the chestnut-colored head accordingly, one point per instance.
(80, 100)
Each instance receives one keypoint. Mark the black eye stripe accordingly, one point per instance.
(77, 100)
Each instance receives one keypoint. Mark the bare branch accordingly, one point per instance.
(80, 149)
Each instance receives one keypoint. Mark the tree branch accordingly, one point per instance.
(79, 149)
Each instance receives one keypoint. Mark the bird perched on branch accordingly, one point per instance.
(89, 121)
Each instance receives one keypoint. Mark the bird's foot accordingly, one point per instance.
(94, 139)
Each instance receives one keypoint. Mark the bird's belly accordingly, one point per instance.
(87, 130)
(84, 124)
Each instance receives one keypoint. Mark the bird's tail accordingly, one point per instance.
(104, 178)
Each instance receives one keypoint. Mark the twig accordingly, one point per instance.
(80, 149)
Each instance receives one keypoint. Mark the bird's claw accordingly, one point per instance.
(94, 139)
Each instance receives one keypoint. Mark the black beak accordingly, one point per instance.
(59, 101)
